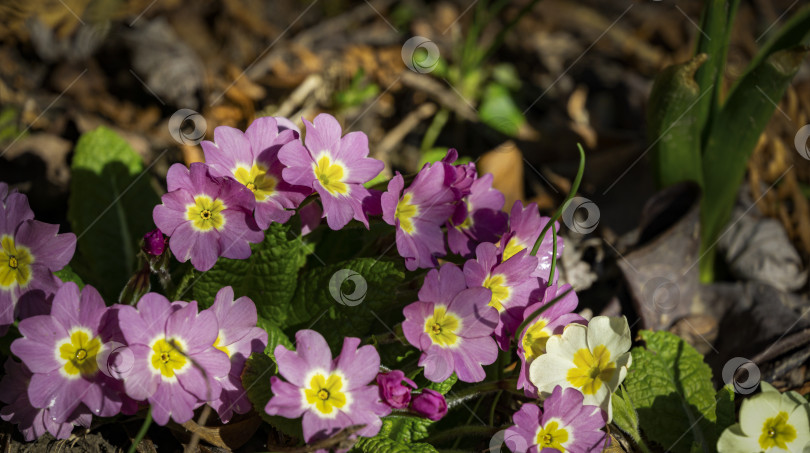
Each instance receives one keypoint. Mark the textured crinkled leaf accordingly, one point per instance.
(268, 277)
(256, 380)
(275, 337)
(671, 389)
(404, 429)
(444, 386)
(384, 445)
(109, 209)
(67, 275)
(350, 312)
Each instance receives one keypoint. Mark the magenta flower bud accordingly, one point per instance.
(430, 404)
(393, 388)
(154, 242)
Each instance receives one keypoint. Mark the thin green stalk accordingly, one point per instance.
(494, 406)
(553, 254)
(538, 312)
(435, 128)
(142, 432)
(571, 194)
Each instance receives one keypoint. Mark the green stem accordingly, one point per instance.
(553, 255)
(538, 312)
(494, 406)
(435, 128)
(571, 193)
(142, 432)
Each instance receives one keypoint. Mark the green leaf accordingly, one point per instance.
(731, 140)
(321, 289)
(404, 429)
(384, 445)
(724, 409)
(671, 388)
(499, 111)
(268, 277)
(718, 16)
(109, 209)
(275, 337)
(624, 414)
(67, 275)
(673, 123)
(256, 381)
(444, 386)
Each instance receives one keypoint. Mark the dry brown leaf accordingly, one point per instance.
(506, 165)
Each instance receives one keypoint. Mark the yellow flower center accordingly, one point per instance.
(206, 213)
(80, 351)
(513, 247)
(535, 339)
(405, 212)
(217, 345)
(443, 327)
(330, 175)
(776, 432)
(500, 292)
(15, 263)
(168, 357)
(324, 393)
(552, 436)
(591, 369)
(257, 180)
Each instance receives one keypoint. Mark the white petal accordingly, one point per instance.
(613, 332)
(549, 371)
(734, 441)
(574, 338)
(757, 409)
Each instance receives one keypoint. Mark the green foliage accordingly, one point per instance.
(671, 388)
(625, 415)
(110, 209)
(734, 133)
(676, 149)
(268, 277)
(9, 129)
(695, 135)
(498, 110)
(67, 275)
(256, 381)
(313, 301)
(275, 337)
(385, 445)
(358, 92)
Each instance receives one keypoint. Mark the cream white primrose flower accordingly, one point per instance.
(769, 422)
(592, 359)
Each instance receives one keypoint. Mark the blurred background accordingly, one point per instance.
(513, 85)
